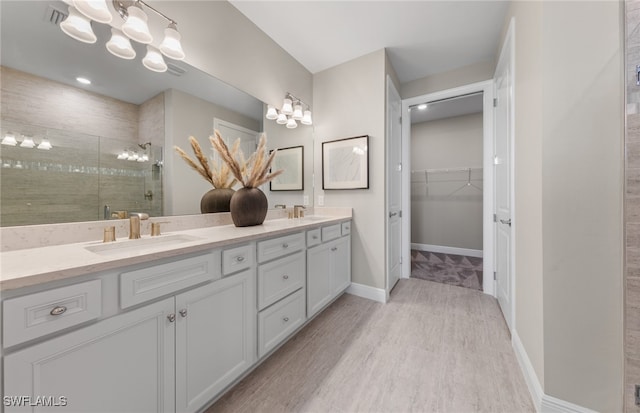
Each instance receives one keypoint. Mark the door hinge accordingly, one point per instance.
(400, 120)
(495, 102)
(399, 214)
(495, 276)
(495, 218)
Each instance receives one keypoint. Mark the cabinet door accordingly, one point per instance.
(215, 338)
(318, 278)
(341, 265)
(122, 364)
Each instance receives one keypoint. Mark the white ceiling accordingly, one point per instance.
(422, 37)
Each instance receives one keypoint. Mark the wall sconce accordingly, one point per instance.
(9, 139)
(77, 25)
(290, 113)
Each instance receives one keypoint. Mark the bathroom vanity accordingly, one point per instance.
(165, 323)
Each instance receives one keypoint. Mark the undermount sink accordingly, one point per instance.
(142, 244)
(312, 218)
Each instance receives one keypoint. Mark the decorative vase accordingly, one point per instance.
(248, 207)
(216, 200)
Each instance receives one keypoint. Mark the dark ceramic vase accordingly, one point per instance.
(248, 207)
(216, 200)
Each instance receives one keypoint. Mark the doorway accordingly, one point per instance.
(479, 175)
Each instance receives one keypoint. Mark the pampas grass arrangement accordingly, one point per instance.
(217, 176)
(252, 172)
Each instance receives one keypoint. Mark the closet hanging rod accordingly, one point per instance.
(445, 170)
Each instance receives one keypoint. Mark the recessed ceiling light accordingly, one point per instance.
(83, 80)
(423, 106)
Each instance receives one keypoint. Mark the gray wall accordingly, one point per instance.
(438, 215)
(568, 205)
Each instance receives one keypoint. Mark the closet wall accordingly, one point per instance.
(445, 211)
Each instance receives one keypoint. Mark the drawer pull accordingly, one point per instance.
(58, 310)
(314, 236)
(183, 312)
(239, 258)
(334, 249)
(171, 318)
(285, 277)
(285, 319)
(285, 245)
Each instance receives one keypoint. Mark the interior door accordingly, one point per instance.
(394, 186)
(230, 132)
(503, 130)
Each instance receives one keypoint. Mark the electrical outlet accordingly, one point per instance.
(637, 394)
(320, 200)
(305, 200)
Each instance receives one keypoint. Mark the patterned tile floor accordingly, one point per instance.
(449, 269)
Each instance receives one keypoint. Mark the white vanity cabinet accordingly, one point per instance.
(328, 267)
(122, 364)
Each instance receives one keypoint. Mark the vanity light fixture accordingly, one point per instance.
(9, 139)
(78, 27)
(135, 27)
(292, 111)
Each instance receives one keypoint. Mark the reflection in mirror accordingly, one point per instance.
(126, 105)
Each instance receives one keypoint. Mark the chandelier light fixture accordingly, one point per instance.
(291, 112)
(135, 27)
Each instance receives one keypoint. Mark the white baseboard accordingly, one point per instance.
(365, 291)
(543, 403)
(447, 250)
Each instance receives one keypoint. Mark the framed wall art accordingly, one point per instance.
(345, 163)
(291, 160)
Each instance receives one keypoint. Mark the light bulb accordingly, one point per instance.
(136, 27)
(306, 119)
(297, 112)
(170, 45)
(272, 113)
(291, 124)
(27, 142)
(94, 9)
(9, 140)
(123, 155)
(154, 61)
(45, 145)
(287, 109)
(120, 45)
(282, 119)
(78, 27)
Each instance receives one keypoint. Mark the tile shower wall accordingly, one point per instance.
(74, 180)
(632, 208)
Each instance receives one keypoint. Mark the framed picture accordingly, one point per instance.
(291, 160)
(345, 163)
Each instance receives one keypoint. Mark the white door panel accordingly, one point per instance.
(394, 186)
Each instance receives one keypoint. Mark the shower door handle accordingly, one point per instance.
(506, 221)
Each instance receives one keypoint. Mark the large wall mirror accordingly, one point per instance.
(126, 110)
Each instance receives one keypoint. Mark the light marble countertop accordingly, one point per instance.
(28, 267)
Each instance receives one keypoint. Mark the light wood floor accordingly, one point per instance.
(432, 348)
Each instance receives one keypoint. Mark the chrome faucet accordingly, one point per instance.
(297, 211)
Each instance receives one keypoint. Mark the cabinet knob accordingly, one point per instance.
(171, 318)
(183, 312)
(285, 319)
(285, 277)
(314, 236)
(285, 245)
(239, 258)
(58, 310)
(334, 249)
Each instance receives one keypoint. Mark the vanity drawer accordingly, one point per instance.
(278, 247)
(279, 278)
(277, 322)
(36, 315)
(156, 281)
(331, 232)
(346, 228)
(237, 259)
(313, 237)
